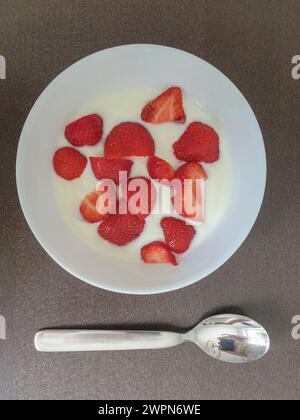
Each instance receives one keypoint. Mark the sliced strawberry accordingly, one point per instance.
(167, 107)
(90, 209)
(199, 143)
(85, 131)
(110, 168)
(120, 229)
(141, 196)
(157, 253)
(160, 169)
(178, 234)
(190, 170)
(69, 163)
(189, 201)
(128, 139)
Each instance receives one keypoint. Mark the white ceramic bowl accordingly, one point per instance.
(119, 68)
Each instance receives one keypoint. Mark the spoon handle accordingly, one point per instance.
(95, 340)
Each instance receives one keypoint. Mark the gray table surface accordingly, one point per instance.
(252, 42)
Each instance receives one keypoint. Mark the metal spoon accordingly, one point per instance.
(230, 338)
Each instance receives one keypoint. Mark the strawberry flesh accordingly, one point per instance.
(120, 229)
(145, 193)
(178, 234)
(157, 253)
(159, 169)
(190, 170)
(167, 107)
(198, 143)
(189, 202)
(89, 209)
(68, 163)
(128, 139)
(110, 168)
(86, 131)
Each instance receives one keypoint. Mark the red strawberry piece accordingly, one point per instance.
(141, 196)
(110, 168)
(178, 234)
(167, 107)
(160, 169)
(189, 201)
(120, 229)
(90, 208)
(86, 131)
(190, 170)
(199, 142)
(69, 163)
(128, 139)
(157, 253)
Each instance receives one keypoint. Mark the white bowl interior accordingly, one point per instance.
(119, 68)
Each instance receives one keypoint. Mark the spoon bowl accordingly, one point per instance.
(230, 338)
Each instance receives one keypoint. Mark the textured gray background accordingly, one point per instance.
(252, 42)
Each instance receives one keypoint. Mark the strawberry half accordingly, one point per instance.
(189, 202)
(157, 253)
(109, 168)
(120, 229)
(167, 107)
(145, 197)
(86, 131)
(190, 170)
(160, 169)
(178, 234)
(199, 142)
(68, 163)
(128, 139)
(90, 209)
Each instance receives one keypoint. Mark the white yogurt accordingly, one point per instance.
(124, 106)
